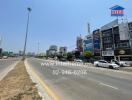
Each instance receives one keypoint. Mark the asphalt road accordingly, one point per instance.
(92, 84)
(6, 64)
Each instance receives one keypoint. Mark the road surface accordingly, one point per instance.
(6, 65)
(95, 84)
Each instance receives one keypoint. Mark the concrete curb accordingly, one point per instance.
(44, 90)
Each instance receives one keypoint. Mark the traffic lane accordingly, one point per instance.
(4, 63)
(88, 87)
(107, 72)
(86, 76)
(91, 68)
(110, 77)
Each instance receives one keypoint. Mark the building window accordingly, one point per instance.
(130, 26)
(107, 33)
(108, 46)
(130, 34)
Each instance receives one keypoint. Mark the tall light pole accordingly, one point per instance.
(24, 50)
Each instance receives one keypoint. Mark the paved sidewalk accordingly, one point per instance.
(129, 69)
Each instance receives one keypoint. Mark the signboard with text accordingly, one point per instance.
(117, 11)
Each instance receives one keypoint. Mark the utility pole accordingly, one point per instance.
(29, 10)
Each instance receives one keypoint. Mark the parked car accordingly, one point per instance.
(5, 57)
(105, 64)
(120, 63)
(63, 59)
(78, 60)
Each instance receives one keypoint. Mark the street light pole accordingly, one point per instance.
(24, 50)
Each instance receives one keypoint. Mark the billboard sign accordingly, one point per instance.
(88, 45)
(117, 11)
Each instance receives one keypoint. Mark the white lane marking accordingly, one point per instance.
(108, 86)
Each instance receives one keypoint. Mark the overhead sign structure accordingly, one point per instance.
(117, 11)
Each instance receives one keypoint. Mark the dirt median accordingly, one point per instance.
(17, 85)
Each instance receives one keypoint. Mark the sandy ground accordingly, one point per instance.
(17, 85)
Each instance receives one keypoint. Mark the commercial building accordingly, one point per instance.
(96, 43)
(130, 34)
(92, 43)
(79, 44)
(116, 41)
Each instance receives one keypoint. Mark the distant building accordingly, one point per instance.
(79, 44)
(31, 54)
(52, 51)
(47, 52)
(53, 47)
(0, 52)
(63, 50)
(20, 53)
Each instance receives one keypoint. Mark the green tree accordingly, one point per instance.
(88, 54)
(77, 54)
(41, 55)
(70, 56)
(59, 56)
(65, 55)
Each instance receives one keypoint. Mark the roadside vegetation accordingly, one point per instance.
(17, 85)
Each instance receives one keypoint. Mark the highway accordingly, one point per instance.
(6, 65)
(93, 84)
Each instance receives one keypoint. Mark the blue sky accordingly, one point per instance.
(53, 21)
